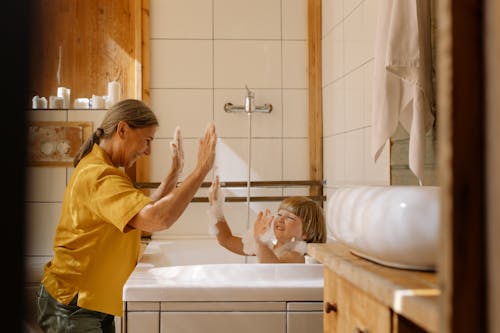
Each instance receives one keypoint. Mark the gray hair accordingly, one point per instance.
(132, 111)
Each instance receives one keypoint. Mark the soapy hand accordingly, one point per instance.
(263, 227)
(177, 150)
(216, 199)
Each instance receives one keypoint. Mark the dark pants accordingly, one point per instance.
(54, 317)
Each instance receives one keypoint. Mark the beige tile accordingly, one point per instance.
(160, 159)
(144, 321)
(350, 6)
(191, 109)
(232, 159)
(354, 39)
(368, 93)
(47, 115)
(354, 158)
(295, 64)
(239, 19)
(41, 222)
(296, 159)
(94, 116)
(181, 63)
(45, 184)
(294, 18)
(256, 64)
(267, 124)
(376, 173)
(354, 99)
(187, 19)
(266, 159)
(295, 113)
(230, 124)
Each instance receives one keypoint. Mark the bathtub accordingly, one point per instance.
(196, 285)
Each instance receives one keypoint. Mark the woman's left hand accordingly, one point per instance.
(177, 150)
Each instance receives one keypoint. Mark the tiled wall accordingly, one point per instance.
(348, 34)
(203, 54)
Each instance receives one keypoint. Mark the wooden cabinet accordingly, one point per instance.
(360, 296)
(348, 309)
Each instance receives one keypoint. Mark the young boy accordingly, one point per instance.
(274, 239)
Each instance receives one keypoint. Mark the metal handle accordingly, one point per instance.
(329, 307)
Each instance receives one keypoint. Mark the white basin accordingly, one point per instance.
(396, 226)
(227, 282)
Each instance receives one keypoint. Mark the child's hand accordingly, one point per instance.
(177, 150)
(216, 211)
(262, 225)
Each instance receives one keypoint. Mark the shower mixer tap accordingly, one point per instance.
(249, 101)
(249, 106)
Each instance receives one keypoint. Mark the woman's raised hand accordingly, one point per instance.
(177, 149)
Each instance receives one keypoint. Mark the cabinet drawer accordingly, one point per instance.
(349, 309)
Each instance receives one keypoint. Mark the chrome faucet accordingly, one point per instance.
(249, 101)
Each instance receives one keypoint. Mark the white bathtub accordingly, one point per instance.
(196, 285)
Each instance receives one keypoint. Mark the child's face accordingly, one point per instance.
(287, 226)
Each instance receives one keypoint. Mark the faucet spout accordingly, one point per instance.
(249, 101)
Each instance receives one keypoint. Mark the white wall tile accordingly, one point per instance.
(333, 55)
(350, 5)
(295, 113)
(370, 11)
(327, 17)
(267, 124)
(239, 19)
(294, 19)
(188, 19)
(354, 159)
(181, 63)
(256, 64)
(266, 159)
(231, 160)
(45, 184)
(368, 93)
(295, 166)
(230, 124)
(47, 115)
(354, 99)
(95, 116)
(376, 173)
(160, 159)
(191, 109)
(144, 321)
(41, 221)
(294, 58)
(354, 40)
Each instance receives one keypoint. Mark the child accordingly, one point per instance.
(300, 220)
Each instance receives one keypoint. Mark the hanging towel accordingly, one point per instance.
(402, 82)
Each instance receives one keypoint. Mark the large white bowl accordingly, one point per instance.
(397, 226)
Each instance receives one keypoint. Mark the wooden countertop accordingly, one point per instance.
(412, 294)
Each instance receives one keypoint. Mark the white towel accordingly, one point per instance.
(402, 85)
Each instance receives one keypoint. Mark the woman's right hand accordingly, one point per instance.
(206, 149)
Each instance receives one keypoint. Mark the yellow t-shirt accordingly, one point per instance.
(93, 256)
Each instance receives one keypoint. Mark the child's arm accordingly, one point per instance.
(226, 239)
(218, 224)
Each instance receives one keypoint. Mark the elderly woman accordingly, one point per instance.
(97, 240)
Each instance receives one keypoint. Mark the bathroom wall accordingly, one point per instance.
(203, 53)
(348, 35)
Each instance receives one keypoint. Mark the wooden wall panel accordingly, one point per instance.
(98, 39)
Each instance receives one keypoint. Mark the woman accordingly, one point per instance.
(97, 240)
(274, 239)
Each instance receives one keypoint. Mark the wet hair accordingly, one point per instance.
(311, 214)
(132, 111)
